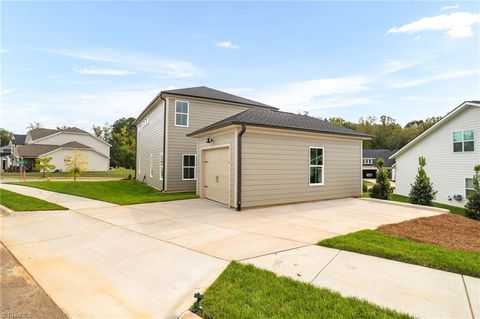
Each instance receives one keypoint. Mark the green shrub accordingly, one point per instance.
(381, 189)
(364, 187)
(422, 192)
(472, 208)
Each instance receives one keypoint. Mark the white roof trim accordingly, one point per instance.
(445, 119)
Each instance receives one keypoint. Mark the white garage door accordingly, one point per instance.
(216, 177)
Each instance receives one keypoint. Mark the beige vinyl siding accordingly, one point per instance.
(223, 138)
(447, 170)
(201, 114)
(85, 139)
(150, 141)
(276, 168)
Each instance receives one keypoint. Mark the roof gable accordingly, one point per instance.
(450, 115)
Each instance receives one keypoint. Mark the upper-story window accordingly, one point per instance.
(368, 161)
(463, 141)
(181, 113)
(145, 121)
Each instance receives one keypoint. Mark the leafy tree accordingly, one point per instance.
(4, 137)
(33, 126)
(103, 132)
(422, 191)
(381, 189)
(125, 146)
(75, 164)
(44, 164)
(472, 208)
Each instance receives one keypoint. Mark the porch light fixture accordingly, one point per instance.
(210, 140)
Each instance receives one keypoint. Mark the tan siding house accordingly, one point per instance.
(243, 153)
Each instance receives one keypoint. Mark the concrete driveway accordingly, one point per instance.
(147, 260)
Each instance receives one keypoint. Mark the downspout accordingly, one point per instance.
(239, 167)
(164, 138)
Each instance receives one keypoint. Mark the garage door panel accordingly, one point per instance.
(216, 177)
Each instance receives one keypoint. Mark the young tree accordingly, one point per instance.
(381, 189)
(44, 164)
(472, 208)
(75, 164)
(422, 191)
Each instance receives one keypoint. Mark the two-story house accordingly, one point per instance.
(451, 148)
(243, 153)
(369, 162)
(43, 142)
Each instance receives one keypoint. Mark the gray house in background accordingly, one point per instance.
(243, 153)
(369, 162)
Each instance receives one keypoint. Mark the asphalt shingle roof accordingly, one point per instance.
(43, 132)
(36, 150)
(282, 120)
(379, 153)
(212, 94)
(19, 139)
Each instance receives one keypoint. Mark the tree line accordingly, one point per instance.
(386, 132)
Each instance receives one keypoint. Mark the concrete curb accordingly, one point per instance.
(4, 211)
(189, 315)
(389, 202)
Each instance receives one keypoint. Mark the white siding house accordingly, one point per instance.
(451, 148)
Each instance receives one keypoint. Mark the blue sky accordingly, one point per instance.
(83, 63)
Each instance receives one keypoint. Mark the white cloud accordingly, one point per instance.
(392, 66)
(137, 62)
(456, 25)
(306, 94)
(456, 6)
(438, 77)
(227, 45)
(2, 51)
(103, 71)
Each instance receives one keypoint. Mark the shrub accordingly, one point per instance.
(472, 208)
(422, 192)
(381, 189)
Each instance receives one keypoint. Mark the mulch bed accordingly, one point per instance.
(446, 230)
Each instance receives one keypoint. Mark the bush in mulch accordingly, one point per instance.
(446, 230)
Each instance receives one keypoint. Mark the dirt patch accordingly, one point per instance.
(20, 295)
(446, 230)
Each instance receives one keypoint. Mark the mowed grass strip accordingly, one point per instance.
(19, 202)
(374, 243)
(243, 291)
(124, 192)
(405, 199)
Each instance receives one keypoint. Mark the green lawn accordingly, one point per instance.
(18, 202)
(114, 173)
(123, 192)
(371, 242)
(406, 199)
(243, 291)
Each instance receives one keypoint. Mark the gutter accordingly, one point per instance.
(239, 167)
(164, 138)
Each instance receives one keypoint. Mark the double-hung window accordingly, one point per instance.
(151, 165)
(316, 166)
(469, 187)
(368, 161)
(161, 166)
(189, 167)
(181, 113)
(463, 141)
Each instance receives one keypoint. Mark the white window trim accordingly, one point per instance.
(322, 166)
(463, 141)
(194, 168)
(466, 188)
(161, 166)
(187, 114)
(368, 161)
(151, 165)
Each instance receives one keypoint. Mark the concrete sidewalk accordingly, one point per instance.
(68, 201)
(420, 291)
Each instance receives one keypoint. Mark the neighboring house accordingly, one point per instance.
(7, 151)
(60, 143)
(369, 162)
(451, 148)
(243, 153)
